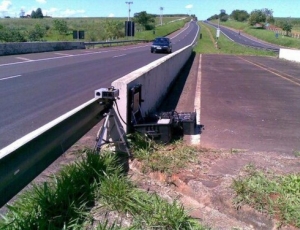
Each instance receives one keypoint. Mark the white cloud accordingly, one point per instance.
(5, 5)
(68, 12)
(190, 6)
(111, 15)
(50, 12)
(41, 1)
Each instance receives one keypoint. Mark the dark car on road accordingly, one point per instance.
(161, 44)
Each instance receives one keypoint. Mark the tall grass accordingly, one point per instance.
(93, 186)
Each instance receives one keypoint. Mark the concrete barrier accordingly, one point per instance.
(37, 47)
(289, 54)
(156, 78)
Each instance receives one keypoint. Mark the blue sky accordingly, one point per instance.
(119, 8)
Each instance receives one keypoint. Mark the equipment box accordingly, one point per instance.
(188, 121)
(159, 131)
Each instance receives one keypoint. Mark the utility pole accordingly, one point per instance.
(161, 13)
(129, 3)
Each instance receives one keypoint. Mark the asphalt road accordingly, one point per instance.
(37, 88)
(244, 39)
(250, 103)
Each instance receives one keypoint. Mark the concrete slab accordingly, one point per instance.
(250, 103)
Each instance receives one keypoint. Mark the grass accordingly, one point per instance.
(95, 193)
(167, 159)
(276, 195)
(93, 186)
(160, 31)
(207, 45)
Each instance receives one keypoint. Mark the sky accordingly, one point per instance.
(203, 9)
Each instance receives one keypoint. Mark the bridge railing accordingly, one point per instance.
(26, 158)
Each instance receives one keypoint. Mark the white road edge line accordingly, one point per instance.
(6, 78)
(195, 139)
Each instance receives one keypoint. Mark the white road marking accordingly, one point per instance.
(6, 78)
(84, 54)
(63, 54)
(119, 56)
(25, 59)
(195, 139)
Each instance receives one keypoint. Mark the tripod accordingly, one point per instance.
(112, 132)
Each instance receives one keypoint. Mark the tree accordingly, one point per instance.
(257, 16)
(239, 15)
(61, 26)
(223, 16)
(262, 16)
(37, 14)
(144, 19)
(287, 27)
(33, 14)
(213, 17)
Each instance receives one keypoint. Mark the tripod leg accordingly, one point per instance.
(101, 133)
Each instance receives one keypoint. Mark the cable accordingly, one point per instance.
(119, 113)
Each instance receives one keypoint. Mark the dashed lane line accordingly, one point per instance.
(63, 54)
(6, 78)
(24, 59)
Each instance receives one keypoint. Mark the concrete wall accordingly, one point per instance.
(291, 55)
(36, 47)
(155, 78)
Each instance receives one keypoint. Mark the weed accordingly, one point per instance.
(276, 195)
(297, 153)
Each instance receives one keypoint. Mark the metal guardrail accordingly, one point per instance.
(27, 157)
(113, 42)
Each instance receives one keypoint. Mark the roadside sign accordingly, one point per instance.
(218, 33)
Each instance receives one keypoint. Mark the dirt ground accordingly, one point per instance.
(204, 188)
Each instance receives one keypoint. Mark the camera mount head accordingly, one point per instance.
(107, 93)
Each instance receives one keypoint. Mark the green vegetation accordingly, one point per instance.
(265, 35)
(94, 186)
(275, 195)
(147, 21)
(208, 45)
(161, 31)
(165, 159)
(95, 193)
(96, 29)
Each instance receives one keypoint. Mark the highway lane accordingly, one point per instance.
(37, 88)
(243, 39)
